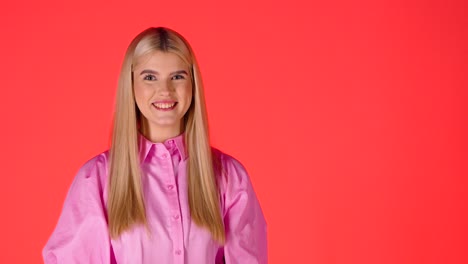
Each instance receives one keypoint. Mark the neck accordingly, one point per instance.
(159, 134)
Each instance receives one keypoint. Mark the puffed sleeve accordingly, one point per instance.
(246, 230)
(81, 234)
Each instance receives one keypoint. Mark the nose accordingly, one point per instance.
(165, 88)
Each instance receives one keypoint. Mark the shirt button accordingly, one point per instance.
(164, 156)
(170, 187)
(176, 217)
(178, 252)
(171, 142)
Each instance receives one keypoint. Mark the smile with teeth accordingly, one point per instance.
(165, 106)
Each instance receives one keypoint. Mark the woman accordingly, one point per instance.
(161, 194)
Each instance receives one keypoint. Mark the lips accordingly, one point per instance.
(165, 105)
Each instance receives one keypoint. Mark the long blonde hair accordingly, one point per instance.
(125, 204)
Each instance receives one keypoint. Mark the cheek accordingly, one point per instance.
(188, 94)
(185, 93)
(140, 96)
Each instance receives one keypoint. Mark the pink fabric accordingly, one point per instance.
(81, 234)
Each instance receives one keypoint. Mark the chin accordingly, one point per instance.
(165, 123)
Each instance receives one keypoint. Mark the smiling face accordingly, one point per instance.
(163, 93)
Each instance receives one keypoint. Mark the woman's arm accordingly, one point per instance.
(81, 234)
(246, 230)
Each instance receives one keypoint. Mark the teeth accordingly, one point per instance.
(164, 105)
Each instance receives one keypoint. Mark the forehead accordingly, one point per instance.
(160, 61)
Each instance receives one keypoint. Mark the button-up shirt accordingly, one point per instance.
(81, 234)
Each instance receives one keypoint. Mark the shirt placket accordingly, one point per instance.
(175, 218)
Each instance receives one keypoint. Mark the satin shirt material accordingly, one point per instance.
(81, 234)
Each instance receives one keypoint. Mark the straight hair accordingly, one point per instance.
(125, 201)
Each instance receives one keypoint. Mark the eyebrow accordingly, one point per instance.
(155, 72)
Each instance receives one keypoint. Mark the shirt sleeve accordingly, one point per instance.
(246, 229)
(81, 234)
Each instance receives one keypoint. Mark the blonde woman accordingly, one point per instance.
(161, 194)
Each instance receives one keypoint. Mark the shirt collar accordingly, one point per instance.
(145, 145)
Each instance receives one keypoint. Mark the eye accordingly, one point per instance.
(178, 77)
(149, 77)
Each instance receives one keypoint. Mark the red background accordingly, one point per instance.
(350, 116)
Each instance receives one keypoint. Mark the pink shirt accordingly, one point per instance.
(81, 234)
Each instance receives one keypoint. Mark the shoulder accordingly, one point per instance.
(92, 175)
(227, 162)
(230, 171)
(97, 162)
(96, 166)
(237, 195)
